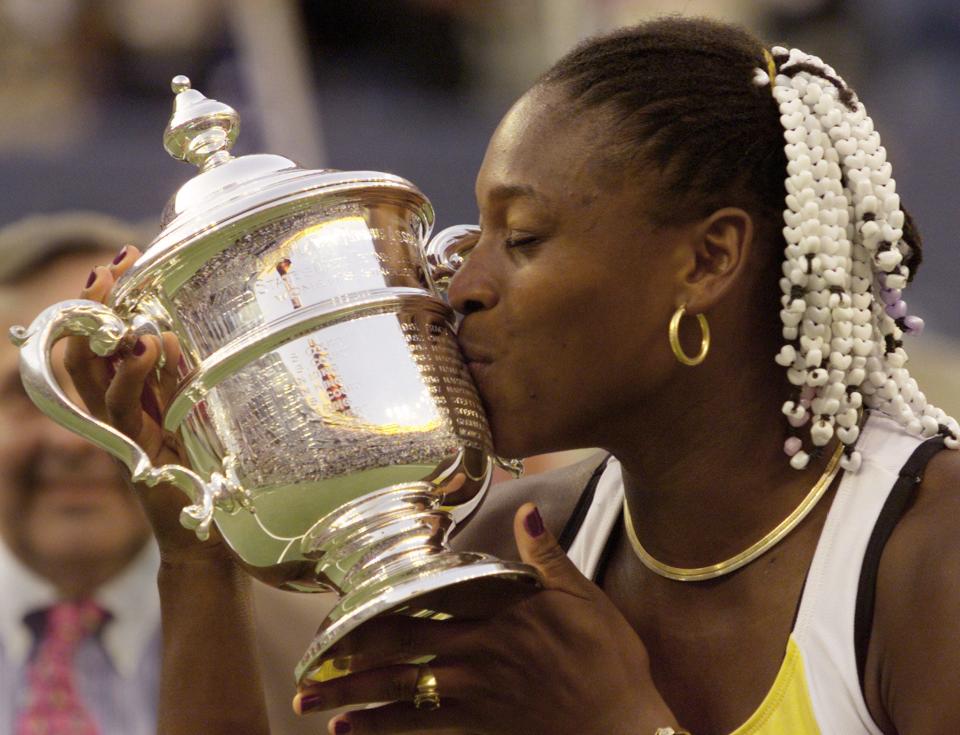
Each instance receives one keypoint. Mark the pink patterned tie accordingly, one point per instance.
(53, 706)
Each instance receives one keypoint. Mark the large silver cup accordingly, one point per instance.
(333, 433)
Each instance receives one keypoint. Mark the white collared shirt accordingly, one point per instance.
(117, 674)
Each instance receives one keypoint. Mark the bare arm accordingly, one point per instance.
(210, 682)
(913, 665)
(210, 679)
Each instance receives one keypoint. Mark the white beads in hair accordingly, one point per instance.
(842, 309)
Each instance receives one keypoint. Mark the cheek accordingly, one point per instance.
(19, 438)
(552, 374)
(595, 359)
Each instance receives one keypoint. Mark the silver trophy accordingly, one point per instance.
(333, 432)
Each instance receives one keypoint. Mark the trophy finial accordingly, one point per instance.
(179, 83)
(201, 131)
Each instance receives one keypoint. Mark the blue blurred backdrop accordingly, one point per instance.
(416, 87)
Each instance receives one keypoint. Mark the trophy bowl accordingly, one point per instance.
(333, 433)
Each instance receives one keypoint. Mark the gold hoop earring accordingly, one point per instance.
(675, 338)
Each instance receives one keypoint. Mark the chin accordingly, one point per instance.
(513, 442)
(528, 433)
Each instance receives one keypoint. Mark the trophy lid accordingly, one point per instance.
(201, 131)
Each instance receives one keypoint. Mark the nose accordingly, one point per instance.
(473, 286)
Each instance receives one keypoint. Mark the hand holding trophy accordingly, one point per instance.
(333, 433)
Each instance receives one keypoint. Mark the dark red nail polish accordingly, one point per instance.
(310, 702)
(139, 348)
(91, 278)
(342, 727)
(121, 255)
(534, 523)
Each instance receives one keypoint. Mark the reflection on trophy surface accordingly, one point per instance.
(333, 432)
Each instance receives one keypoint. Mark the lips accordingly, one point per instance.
(477, 360)
(472, 356)
(473, 349)
(95, 478)
(93, 484)
(76, 494)
(93, 474)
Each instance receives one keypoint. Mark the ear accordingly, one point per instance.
(720, 248)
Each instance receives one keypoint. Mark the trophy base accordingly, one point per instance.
(446, 584)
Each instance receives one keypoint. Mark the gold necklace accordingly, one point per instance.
(698, 574)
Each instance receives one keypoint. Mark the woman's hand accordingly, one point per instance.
(127, 392)
(561, 661)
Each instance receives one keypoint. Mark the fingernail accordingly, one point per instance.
(534, 523)
(309, 703)
(139, 348)
(341, 727)
(120, 256)
(91, 278)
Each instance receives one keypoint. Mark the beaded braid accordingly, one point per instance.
(845, 244)
(677, 87)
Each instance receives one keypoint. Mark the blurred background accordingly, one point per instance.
(415, 87)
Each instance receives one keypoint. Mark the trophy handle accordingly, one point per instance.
(513, 466)
(446, 251)
(107, 331)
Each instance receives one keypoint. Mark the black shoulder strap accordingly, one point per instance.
(572, 527)
(612, 541)
(898, 502)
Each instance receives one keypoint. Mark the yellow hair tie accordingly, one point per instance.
(771, 67)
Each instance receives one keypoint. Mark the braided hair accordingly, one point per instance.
(728, 123)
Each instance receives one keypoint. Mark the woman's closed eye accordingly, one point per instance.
(521, 239)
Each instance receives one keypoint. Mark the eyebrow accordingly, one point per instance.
(514, 191)
(506, 192)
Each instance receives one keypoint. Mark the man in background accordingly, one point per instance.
(79, 611)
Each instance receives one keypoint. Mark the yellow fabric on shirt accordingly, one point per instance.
(786, 710)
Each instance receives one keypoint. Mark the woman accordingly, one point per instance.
(631, 200)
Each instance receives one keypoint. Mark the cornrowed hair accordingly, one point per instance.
(677, 89)
(694, 97)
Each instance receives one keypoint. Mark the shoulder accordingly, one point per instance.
(490, 529)
(917, 651)
(927, 539)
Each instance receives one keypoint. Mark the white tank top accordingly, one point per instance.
(819, 686)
